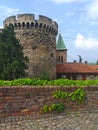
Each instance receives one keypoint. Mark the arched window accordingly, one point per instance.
(15, 25)
(23, 24)
(19, 25)
(49, 29)
(28, 25)
(32, 24)
(44, 26)
(36, 25)
(61, 59)
(40, 25)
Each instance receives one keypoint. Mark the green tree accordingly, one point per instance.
(12, 61)
(97, 62)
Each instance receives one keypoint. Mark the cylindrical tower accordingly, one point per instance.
(38, 38)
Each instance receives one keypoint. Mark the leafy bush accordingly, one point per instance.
(42, 82)
(58, 107)
(59, 94)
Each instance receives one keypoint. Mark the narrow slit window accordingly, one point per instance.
(61, 59)
(51, 54)
(28, 25)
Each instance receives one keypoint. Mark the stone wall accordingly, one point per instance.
(38, 37)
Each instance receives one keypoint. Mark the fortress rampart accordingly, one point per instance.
(38, 38)
(29, 21)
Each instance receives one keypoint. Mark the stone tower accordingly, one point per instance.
(38, 38)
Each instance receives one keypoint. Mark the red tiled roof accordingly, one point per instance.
(76, 68)
(95, 67)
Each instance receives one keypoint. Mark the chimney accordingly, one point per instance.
(75, 61)
(86, 62)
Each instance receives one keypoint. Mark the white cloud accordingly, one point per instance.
(69, 13)
(68, 1)
(6, 12)
(89, 13)
(92, 10)
(63, 1)
(85, 43)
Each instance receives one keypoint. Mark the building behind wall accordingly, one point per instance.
(72, 70)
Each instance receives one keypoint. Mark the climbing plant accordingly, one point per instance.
(77, 95)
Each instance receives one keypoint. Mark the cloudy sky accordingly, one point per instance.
(77, 20)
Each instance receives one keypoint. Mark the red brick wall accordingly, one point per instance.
(28, 100)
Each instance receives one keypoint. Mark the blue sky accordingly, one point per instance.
(77, 21)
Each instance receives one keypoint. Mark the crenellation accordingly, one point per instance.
(11, 19)
(25, 17)
(45, 19)
(23, 20)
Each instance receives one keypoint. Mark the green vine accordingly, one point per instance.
(77, 95)
(59, 94)
(58, 107)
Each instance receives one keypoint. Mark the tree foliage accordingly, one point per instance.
(12, 61)
(97, 62)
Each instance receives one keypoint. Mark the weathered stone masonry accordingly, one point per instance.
(38, 37)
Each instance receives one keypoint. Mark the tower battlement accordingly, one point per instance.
(29, 21)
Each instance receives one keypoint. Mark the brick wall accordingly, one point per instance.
(27, 100)
(59, 54)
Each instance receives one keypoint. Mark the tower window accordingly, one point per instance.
(40, 25)
(32, 24)
(61, 59)
(36, 25)
(23, 24)
(19, 25)
(27, 24)
(51, 54)
(15, 24)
